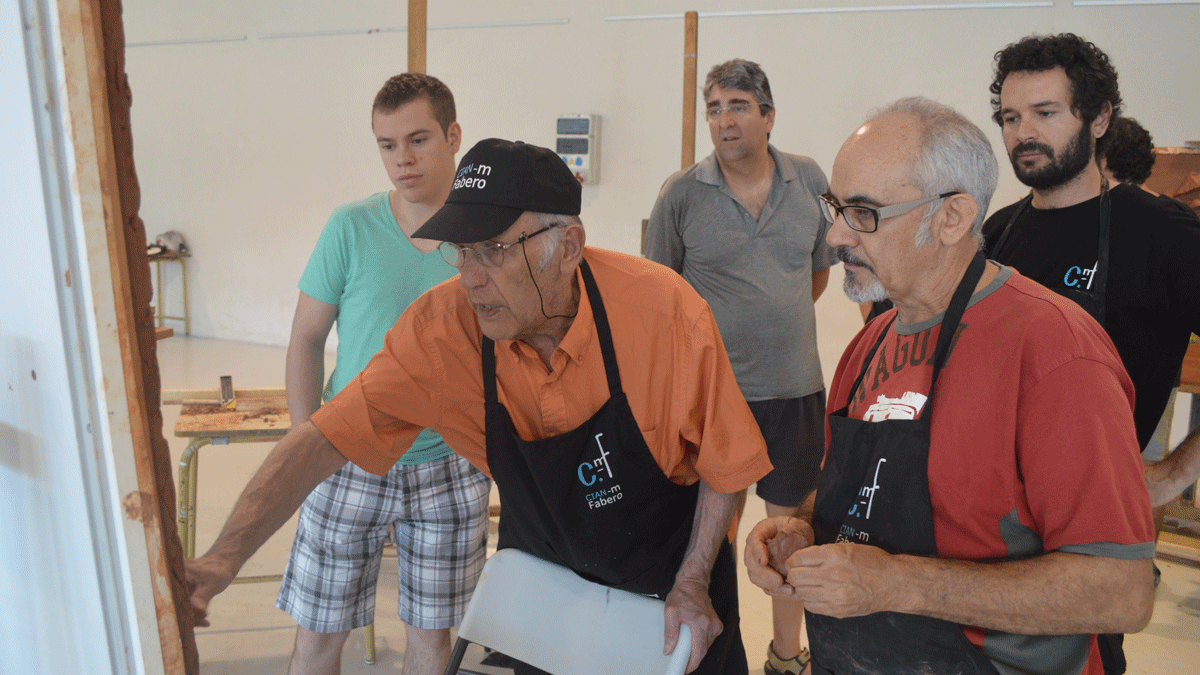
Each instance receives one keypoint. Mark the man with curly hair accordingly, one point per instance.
(1119, 252)
(1125, 153)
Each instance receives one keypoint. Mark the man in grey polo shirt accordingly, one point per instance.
(745, 229)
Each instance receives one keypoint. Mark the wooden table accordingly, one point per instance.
(252, 420)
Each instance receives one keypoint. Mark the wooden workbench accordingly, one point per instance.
(251, 420)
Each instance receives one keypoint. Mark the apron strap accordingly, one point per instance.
(603, 332)
(1101, 280)
(1021, 206)
(867, 362)
(951, 320)
(489, 370)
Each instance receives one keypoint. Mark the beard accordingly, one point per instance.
(864, 289)
(1058, 169)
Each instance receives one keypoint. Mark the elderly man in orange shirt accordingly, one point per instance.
(592, 386)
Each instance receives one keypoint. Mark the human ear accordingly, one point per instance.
(955, 218)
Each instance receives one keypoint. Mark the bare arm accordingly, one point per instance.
(297, 464)
(305, 370)
(819, 283)
(1053, 594)
(1181, 468)
(688, 601)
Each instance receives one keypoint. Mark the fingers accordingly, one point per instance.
(688, 602)
(700, 647)
(670, 630)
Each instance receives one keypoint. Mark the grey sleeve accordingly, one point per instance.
(823, 256)
(664, 242)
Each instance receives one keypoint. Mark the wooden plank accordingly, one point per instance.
(1179, 546)
(418, 19)
(690, 38)
(266, 417)
(163, 332)
(178, 396)
(93, 48)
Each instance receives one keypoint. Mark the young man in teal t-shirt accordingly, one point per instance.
(366, 269)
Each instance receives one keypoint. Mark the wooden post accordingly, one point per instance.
(690, 31)
(418, 18)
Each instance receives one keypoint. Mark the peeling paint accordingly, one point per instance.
(138, 506)
(68, 276)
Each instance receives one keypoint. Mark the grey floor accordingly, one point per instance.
(249, 636)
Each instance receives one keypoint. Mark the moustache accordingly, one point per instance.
(1027, 146)
(843, 254)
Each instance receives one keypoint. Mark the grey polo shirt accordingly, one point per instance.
(756, 275)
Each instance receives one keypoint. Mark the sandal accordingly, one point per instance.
(778, 666)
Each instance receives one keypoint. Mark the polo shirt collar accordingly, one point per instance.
(709, 171)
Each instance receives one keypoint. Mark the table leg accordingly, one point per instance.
(189, 466)
(369, 644)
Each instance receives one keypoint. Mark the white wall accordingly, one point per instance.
(246, 146)
(64, 571)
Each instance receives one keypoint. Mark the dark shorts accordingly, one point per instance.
(794, 429)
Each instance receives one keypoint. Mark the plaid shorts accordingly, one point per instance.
(440, 511)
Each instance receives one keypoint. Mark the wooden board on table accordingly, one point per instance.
(250, 417)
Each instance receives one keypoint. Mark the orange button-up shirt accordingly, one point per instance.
(673, 365)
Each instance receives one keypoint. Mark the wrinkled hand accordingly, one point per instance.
(844, 580)
(688, 603)
(205, 578)
(769, 549)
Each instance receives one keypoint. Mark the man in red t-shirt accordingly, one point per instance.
(980, 508)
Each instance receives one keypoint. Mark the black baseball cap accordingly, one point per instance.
(496, 182)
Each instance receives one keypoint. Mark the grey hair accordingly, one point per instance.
(552, 238)
(955, 155)
(744, 75)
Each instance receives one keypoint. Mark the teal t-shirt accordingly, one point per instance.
(365, 265)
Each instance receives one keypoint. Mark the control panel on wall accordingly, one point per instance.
(578, 143)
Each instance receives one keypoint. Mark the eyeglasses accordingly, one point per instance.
(866, 218)
(488, 253)
(735, 109)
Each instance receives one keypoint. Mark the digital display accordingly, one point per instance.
(573, 125)
(572, 146)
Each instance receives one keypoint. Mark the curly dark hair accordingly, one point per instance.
(1093, 77)
(1129, 150)
(405, 87)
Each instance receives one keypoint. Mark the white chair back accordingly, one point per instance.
(551, 618)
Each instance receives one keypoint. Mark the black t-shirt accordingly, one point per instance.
(1153, 288)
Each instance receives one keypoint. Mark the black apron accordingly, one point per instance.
(595, 500)
(874, 489)
(1092, 301)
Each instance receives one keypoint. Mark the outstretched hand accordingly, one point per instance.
(205, 579)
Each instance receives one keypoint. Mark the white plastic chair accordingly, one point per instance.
(550, 618)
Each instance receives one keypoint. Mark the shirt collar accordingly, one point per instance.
(709, 171)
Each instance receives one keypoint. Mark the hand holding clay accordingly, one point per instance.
(782, 547)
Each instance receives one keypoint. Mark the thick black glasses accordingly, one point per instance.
(488, 253)
(866, 218)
